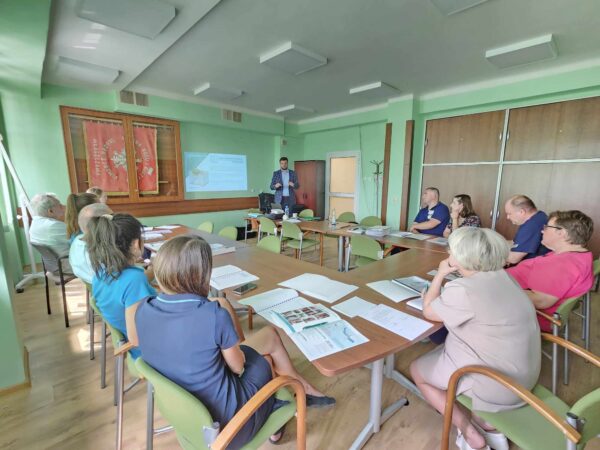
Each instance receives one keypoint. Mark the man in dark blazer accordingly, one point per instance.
(284, 182)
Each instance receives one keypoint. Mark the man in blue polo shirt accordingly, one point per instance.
(521, 210)
(434, 217)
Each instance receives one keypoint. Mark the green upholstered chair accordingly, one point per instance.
(270, 243)
(295, 238)
(306, 213)
(370, 221)
(365, 249)
(96, 312)
(207, 226)
(560, 325)
(586, 307)
(545, 421)
(190, 418)
(229, 233)
(347, 217)
(266, 226)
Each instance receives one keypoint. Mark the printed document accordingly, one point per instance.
(402, 324)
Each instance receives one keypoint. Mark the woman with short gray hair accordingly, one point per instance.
(489, 323)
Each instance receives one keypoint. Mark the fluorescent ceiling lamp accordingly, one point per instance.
(143, 18)
(377, 89)
(294, 111)
(76, 70)
(292, 58)
(524, 52)
(217, 93)
(449, 7)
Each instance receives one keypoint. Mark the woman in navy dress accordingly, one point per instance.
(195, 341)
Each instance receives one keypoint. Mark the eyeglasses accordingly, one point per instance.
(552, 226)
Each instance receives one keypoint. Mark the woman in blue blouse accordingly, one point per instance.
(115, 244)
(195, 341)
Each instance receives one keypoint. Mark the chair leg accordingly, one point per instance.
(588, 319)
(250, 318)
(554, 360)
(116, 384)
(47, 294)
(87, 306)
(92, 337)
(103, 357)
(119, 366)
(149, 416)
(566, 362)
(64, 294)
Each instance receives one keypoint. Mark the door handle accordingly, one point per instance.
(497, 214)
(491, 213)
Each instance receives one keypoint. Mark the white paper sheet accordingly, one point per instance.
(418, 236)
(154, 246)
(402, 324)
(401, 233)
(220, 249)
(319, 287)
(354, 306)
(229, 276)
(152, 235)
(393, 291)
(416, 303)
(168, 227)
(327, 339)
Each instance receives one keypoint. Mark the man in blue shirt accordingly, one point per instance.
(284, 182)
(521, 211)
(434, 217)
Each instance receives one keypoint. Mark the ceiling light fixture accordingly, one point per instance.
(292, 58)
(524, 52)
(217, 93)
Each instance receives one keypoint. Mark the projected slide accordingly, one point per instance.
(207, 172)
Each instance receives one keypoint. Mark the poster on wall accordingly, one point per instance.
(145, 159)
(106, 157)
(210, 172)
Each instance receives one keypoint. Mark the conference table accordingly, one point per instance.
(379, 351)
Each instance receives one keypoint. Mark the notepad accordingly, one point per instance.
(319, 287)
(229, 276)
(354, 306)
(402, 324)
(391, 290)
(220, 249)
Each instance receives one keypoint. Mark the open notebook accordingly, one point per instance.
(229, 276)
(319, 287)
(315, 329)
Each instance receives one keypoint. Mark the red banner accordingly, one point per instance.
(145, 159)
(106, 157)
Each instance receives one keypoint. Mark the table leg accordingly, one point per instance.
(321, 248)
(376, 416)
(393, 374)
(341, 253)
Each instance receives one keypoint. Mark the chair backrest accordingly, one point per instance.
(270, 243)
(207, 226)
(566, 307)
(596, 268)
(182, 410)
(49, 257)
(306, 213)
(370, 221)
(347, 217)
(229, 233)
(367, 247)
(291, 230)
(267, 225)
(588, 408)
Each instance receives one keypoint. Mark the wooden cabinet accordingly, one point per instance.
(311, 193)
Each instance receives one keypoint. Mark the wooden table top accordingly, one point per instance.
(272, 268)
(397, 241)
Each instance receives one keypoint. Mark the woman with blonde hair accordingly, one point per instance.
(490, 323)
(75, 203)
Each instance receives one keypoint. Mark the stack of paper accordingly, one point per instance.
(418, 236)
(400, 233)
(220, 249)
(319, 287)
(378, 231)
(402, 324)
(229, 276)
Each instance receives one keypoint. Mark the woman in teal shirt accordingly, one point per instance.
(115, 244)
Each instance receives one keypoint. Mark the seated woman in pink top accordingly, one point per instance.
(563, 273)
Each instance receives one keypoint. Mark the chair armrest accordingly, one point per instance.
(588, 356)
(237, 422)
(550, 415)
(124, 348)
(548, 317)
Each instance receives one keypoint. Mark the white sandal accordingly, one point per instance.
(495, 439)
(462, 443)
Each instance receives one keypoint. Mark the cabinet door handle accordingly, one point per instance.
(491, 214)
(497, 214)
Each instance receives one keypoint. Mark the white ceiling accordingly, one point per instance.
(408, 44)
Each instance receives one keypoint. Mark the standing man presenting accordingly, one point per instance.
(284, 182)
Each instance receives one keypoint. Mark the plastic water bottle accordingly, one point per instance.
(287, 211)
(333, 219)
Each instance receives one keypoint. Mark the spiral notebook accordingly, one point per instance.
(229, 276)
(275, 301)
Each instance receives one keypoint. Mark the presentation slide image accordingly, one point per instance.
(209, 172)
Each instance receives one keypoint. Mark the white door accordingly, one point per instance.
(342, 182)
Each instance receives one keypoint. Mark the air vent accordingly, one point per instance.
(231, 116)
(133, 98)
